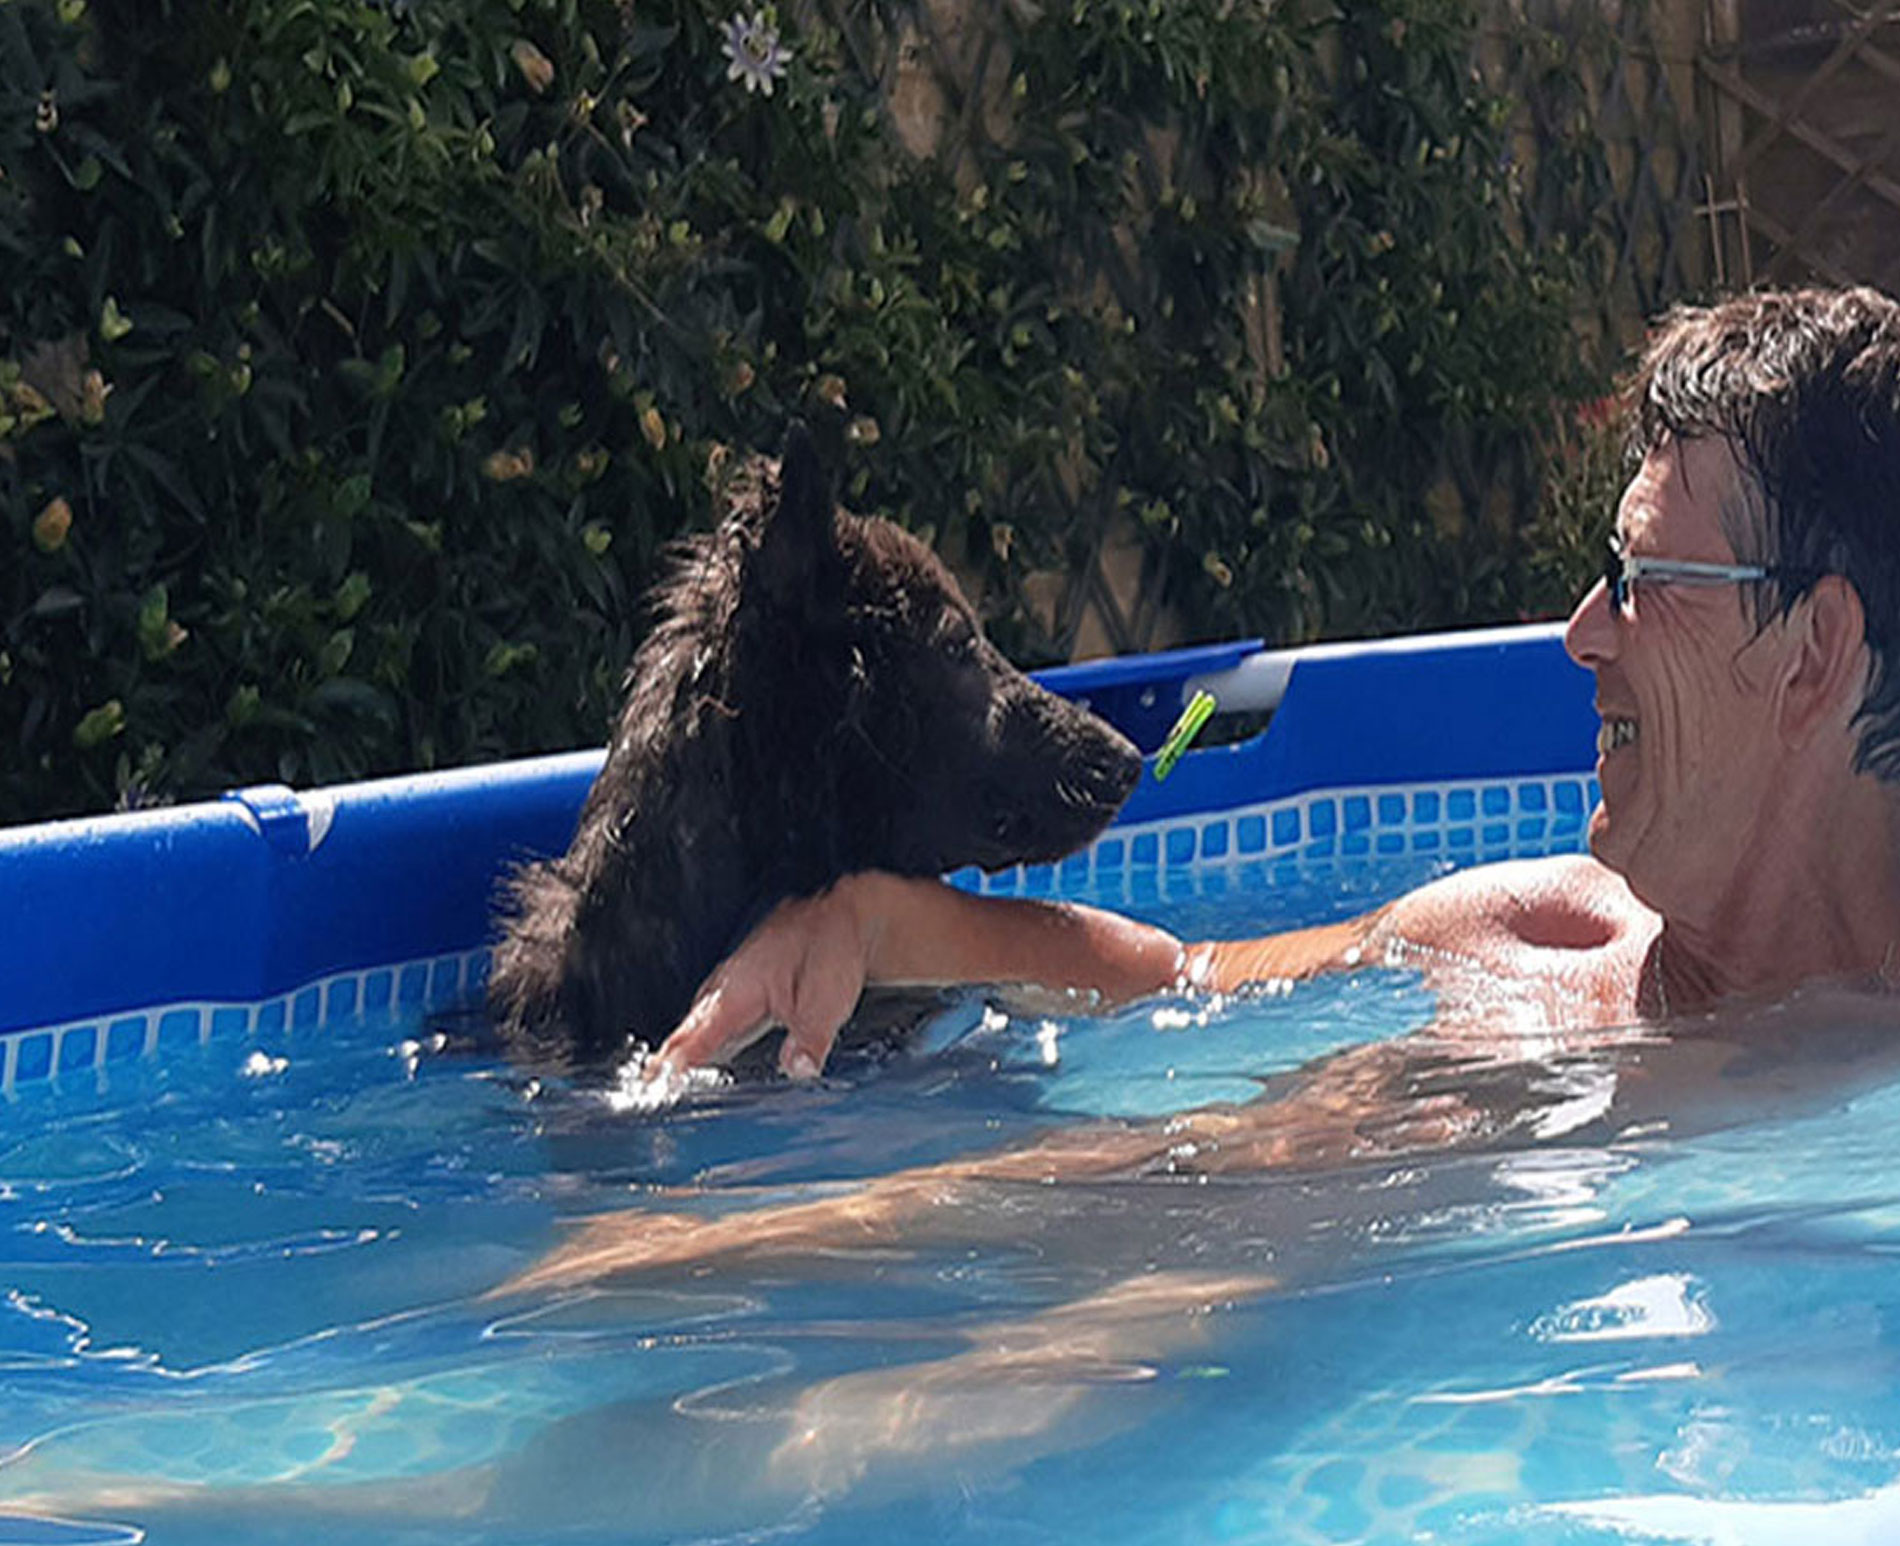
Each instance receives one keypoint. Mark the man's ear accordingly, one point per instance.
(800, 539)
(1825, 676)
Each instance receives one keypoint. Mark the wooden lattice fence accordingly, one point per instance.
(1802, 100)
(1607, 133)
(1678, 148)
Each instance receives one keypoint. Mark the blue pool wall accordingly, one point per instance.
(119, 934)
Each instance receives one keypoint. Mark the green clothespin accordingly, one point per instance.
(1186, 728)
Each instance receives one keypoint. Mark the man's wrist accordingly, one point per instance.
(868, 898)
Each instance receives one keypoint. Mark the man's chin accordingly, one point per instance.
(1604, 840)
(1618, 847)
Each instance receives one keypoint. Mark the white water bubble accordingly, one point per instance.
(643, 1083)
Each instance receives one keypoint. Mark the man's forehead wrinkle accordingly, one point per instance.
(1700, 486)
(1636, 511)
(1629, 522)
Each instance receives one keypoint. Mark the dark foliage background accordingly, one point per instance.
(358, 359)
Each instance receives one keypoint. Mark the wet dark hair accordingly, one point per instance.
(1805, 385)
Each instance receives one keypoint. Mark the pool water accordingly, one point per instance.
(246, 1301)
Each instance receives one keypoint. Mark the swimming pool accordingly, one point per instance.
(250, 1232)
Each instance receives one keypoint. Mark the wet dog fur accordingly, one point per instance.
(816, 698)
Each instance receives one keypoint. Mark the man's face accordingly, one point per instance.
(1687, 753)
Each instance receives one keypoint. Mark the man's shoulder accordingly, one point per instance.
(1564, 902)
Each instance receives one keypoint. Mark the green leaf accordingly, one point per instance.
(113, 323)
(352, 595)
(336, 651)
(99, 725)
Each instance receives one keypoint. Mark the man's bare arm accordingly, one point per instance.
(1294, 955)
(806, 965)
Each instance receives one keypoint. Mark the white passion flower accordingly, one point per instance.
(752, 45)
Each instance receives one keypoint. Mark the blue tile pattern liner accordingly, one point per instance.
(441, 983)
(1471, 822)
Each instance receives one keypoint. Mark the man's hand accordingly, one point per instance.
(803, 968)
(807, 964)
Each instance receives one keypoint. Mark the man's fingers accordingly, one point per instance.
(802, 968)
(724, 1021)
(824, 995)
(807, 1045)
(795, 1060)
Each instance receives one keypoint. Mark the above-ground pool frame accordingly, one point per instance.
(122, 936)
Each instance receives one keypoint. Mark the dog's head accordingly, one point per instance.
(814, 698)
(916, 746)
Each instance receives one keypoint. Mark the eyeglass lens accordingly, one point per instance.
(1615, 582)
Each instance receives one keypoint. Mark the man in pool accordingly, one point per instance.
(1745, 640)
(1746, 646)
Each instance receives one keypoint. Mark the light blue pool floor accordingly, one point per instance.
(244, 1305)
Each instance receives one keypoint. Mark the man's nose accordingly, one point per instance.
(1591, 636)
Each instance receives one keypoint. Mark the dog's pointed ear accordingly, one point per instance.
(801, 536)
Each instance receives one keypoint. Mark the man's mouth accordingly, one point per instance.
(1615, 733)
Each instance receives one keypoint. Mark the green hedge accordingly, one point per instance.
(357, 360)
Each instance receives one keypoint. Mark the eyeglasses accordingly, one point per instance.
(1621, 574)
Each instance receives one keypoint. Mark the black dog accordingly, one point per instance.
(815, 699)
